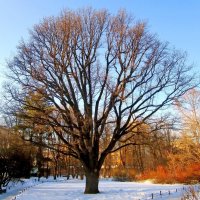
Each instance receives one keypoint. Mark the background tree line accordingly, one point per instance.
(168, 153)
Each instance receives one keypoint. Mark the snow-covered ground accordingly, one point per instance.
(63, 189)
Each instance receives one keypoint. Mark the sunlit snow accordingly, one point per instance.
(63, 189)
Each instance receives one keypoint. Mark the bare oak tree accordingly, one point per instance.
(95, 69)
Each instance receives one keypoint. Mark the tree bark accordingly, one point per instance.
(92, 183)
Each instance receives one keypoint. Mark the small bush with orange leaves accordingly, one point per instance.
(187, 174)
(159, 175)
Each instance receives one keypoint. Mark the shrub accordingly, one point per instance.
(124, 174)
(13, 164)
(187, 174)
(191, 194)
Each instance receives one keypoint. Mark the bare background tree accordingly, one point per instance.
(87, 70)
(189, 109)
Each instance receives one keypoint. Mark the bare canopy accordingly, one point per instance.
(89, 70)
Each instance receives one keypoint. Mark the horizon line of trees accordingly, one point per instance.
(165, 155)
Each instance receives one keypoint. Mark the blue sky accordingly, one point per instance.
(176, 21)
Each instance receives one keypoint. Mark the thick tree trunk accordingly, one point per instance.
(92, 183)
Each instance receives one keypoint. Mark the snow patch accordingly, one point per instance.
(63, 189)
